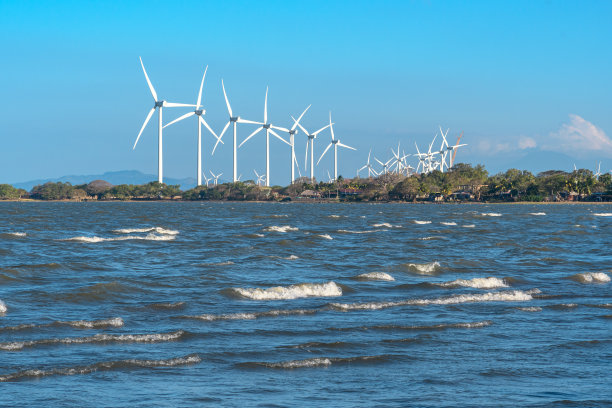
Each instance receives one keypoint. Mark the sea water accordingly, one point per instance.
(336, 305)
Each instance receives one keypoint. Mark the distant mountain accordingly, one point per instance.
(113, 177)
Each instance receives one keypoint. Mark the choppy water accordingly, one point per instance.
(248, 304)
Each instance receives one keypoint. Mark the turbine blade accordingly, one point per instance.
(240, 120)
(229, 108)
(201, 85)
(324, 151)
(302, 127)
(143, 126)
(177, 105)
(296, 164)
(266, 107)
(250, 136)
(379, 162)
(148, 81)
(348, 147)
(210, 130)
(179, 119)
(282, 129)
(320, 130)
(331, 128)
(224, 129)
(300, 118)
(278, 137)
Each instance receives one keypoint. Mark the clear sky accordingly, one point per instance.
(528, 82)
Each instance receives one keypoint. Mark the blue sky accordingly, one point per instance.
(527, 82)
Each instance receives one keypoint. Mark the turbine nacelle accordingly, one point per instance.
(159, 104)
(200, 112)
(234, 118)
(266, 126)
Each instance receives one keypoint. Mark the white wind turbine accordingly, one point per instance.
(310, 141)
(215, 176)
(198, 113)
(368, 166)
(233, 120)
(446, 149)
(159, 104)
(292, 132)
(269, 129)
(335, 142)
(385, 165)
(260, 178)
(206, 179)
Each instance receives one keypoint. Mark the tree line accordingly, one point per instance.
(462, 182)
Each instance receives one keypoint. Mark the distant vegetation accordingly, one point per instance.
(461, 183)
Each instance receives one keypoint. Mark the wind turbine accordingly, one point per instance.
(233, 120)
(206, 179)
(368, 166)
(384, 165)
(260, 178)
(215, 177)
(335, 143)
(598, 173)
(292, 132)
(159, 104)
(198, 113)
(269, 129)
(452, 162)
(310, 141)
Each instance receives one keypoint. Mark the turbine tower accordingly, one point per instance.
(292, 133)
(198, 113)
(233, 120)
(269, 129)
(159, 104)
(310, 141)
(335, 142)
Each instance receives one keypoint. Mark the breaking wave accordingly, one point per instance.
(252, 316)
(317, 362)
(538, 213)
(103, 366)
(2, 307)
(282, 228)
(324, 236)
(491, 214)
(148, 237)
(98, 338)
(158, 230)
(425, 269)
(386, 225)
(372, 276)
(477, 283)
(168, 306)
(602, 214)
(301, 290)
(80, 324)
(421, 222)
(448, 223)
(469, 226)
(507, 296)
(15, 234)
(530, 309)
(358, 232)
(591, 277)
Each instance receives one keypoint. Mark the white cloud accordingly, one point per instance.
(526, 143)
(579, 137)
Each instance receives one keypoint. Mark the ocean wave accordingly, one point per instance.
(537, 213)
(491, 214)
(425, 269)
(358, 232)
(148, 237)
(506, 296)
(158, 230)
(324, 236)
(335, 216)
(318, 362)
(468, 226)
(165, 306)
(252, 315)
(432, 237)
(375, 276)
(301, 290)
(3, 308)
(80, 324)
(102, 366)
(282, 228)
(591, 277)
(602, 214)
(431, 327)
(98, 338)
(15, 234)
(530, 309)
(448, 223)
(421, 222)
(478, 283)
(386, 225)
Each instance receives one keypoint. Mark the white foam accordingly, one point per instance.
(431, 237)
(591, 277)
(301, 290)
(282, 228)
(90, 324)
(491, 214)
(421, 222)
(358, 232)
(469, 226)
(252, 316)
(538, 213)
(311, 362)
(334, 216)
(221, 263)
(426, 268)
(158, 230)
(376, 276)
(98, 338)
(477, 283)
(291, 257)
(387, 225)
(148, 237)
(602, 214)
(2, 307)
(530, 309)
(448, 223)
(17, 234)
(324, 236)
(506, 296)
